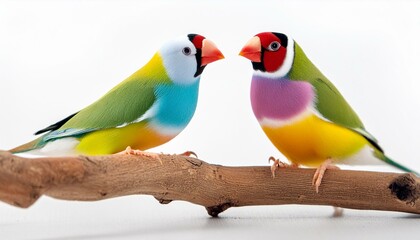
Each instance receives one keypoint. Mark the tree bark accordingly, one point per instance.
(217, 188)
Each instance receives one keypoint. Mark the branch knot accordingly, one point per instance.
(405, 188)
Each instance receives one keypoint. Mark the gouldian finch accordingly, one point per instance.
(147, 109)
(302, 112)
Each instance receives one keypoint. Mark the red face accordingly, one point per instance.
(197, 40)
(207, 52)
(266, 50)
(273, 52)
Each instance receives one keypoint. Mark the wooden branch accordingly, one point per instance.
(23, 181)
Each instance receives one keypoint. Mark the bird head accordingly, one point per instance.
(186, 57)
(271, 53)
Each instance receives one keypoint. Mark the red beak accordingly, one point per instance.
(210, 53)
(252, 50)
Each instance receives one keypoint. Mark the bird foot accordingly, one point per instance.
(279, 164)
(130, 151)
(320, 171)
(189, 154)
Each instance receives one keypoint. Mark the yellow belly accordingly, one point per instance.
(114, 140)
(311, 141)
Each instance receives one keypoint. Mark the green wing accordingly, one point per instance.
(125, 103)
(330, 103)
(122, 105)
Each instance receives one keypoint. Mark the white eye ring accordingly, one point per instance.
(274, 46)
(186, 51)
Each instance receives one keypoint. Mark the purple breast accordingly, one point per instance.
(279, 99)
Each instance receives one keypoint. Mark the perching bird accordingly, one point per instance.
(302, 112)
(147, 109)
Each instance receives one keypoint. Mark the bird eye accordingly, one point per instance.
(186, 51)
(274, 46)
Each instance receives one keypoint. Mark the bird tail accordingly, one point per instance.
(399, 166)
(26, 147)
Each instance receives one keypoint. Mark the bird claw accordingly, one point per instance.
(189, 154)
(130, 151)
(319, 173)
(277, 164)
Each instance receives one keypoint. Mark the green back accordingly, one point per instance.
(124, 103)
(330, 103)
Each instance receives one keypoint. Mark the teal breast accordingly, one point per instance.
(176, 104)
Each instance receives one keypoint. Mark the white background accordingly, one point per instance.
(56, 57)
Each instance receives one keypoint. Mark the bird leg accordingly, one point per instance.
(279, 164)
(189, 154)
(130, 151)
(320, 171)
